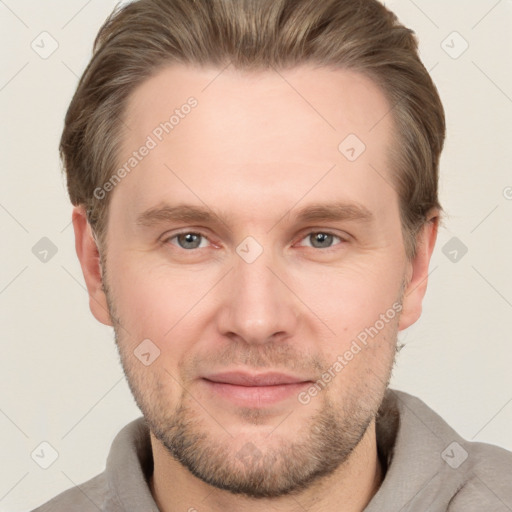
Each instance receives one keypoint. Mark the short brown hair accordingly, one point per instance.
(141, 37)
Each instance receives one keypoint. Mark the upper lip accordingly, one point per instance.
(239, 378)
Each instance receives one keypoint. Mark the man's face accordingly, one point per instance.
(252, 303)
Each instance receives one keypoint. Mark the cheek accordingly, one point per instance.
(360, 305)
(350, 299)
(157, 303)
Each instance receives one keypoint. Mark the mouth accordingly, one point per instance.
(255, 390)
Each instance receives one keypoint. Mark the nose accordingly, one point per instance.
(257, 304)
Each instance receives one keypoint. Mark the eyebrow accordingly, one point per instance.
(336, 211)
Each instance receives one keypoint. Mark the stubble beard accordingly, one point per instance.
(255, 469)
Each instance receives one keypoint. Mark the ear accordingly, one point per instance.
(88, 254)
(418, 271)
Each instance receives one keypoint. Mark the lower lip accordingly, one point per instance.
(256, 396)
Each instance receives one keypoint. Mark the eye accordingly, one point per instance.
(321, 240)
(188, 240)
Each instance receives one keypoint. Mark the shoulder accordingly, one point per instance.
(488, 482)
(128, 461)
(472, 476)
(86, 497)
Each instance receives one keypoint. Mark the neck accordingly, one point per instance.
(348, 489)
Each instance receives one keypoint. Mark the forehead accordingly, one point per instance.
(274, 133)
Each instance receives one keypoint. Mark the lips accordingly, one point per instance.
(254, 390)
(262, 379)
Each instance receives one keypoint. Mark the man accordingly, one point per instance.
(255, 191)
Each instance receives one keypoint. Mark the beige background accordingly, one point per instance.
(61, 380)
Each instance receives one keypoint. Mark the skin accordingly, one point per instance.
(257, 149)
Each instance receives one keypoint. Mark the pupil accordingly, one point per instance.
(322, 240)
(190, 240)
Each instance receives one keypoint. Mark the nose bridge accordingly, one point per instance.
(258, 305)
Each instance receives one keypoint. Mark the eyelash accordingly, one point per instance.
(167, 240)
